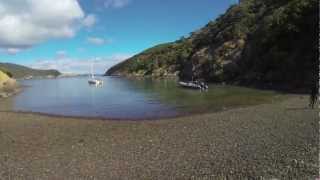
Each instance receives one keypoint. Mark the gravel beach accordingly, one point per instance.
(271, 141)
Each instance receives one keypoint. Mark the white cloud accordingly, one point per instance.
(96, 40)
(81, 66)
(89, 21)
(25, 23)
(116, 3)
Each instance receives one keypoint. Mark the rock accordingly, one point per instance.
(8, 86)
(3, 95)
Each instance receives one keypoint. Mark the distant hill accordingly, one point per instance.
(18, 71)
(270, 42)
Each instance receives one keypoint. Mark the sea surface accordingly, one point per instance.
(123, 99)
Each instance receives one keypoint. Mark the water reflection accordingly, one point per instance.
(121, 98)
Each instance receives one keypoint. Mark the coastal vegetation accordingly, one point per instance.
(3, 77)
(10, 72)
(8, 86)
(256, 42)
(19, 71)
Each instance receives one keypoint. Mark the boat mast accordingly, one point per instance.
(92, 75)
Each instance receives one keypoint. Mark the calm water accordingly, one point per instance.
(121, 98)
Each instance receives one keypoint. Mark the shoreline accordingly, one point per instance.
(15, 91)
(181, 115)
(277, 140)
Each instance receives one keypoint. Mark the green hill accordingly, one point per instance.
(18, 71)
(267, 42)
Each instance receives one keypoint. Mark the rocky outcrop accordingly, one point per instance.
(8, 86)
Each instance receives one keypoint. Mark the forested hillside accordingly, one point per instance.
(18, 71)
(267, 42)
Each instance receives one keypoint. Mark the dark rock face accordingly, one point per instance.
(255, 42)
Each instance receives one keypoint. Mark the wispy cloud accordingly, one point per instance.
(97, 41)
(61, 54)
(11, 51)
(80, 66)
(90, 20)
(116, 3)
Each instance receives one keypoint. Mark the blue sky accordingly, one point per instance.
(106, 31)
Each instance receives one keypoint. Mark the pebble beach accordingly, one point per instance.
(278, 140)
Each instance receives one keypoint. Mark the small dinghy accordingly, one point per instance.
(194, 85)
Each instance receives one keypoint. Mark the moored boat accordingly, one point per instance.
(194, 85)
(92, 80)
(95, 81)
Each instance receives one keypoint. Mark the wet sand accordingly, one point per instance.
(278, 140)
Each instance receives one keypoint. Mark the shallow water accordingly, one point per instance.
(121, 98)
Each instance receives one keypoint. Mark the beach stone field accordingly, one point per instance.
(278, 140)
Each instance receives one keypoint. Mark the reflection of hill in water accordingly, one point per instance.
(217, 98)
(121, 98)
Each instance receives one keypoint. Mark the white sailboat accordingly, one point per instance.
(92, 80)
